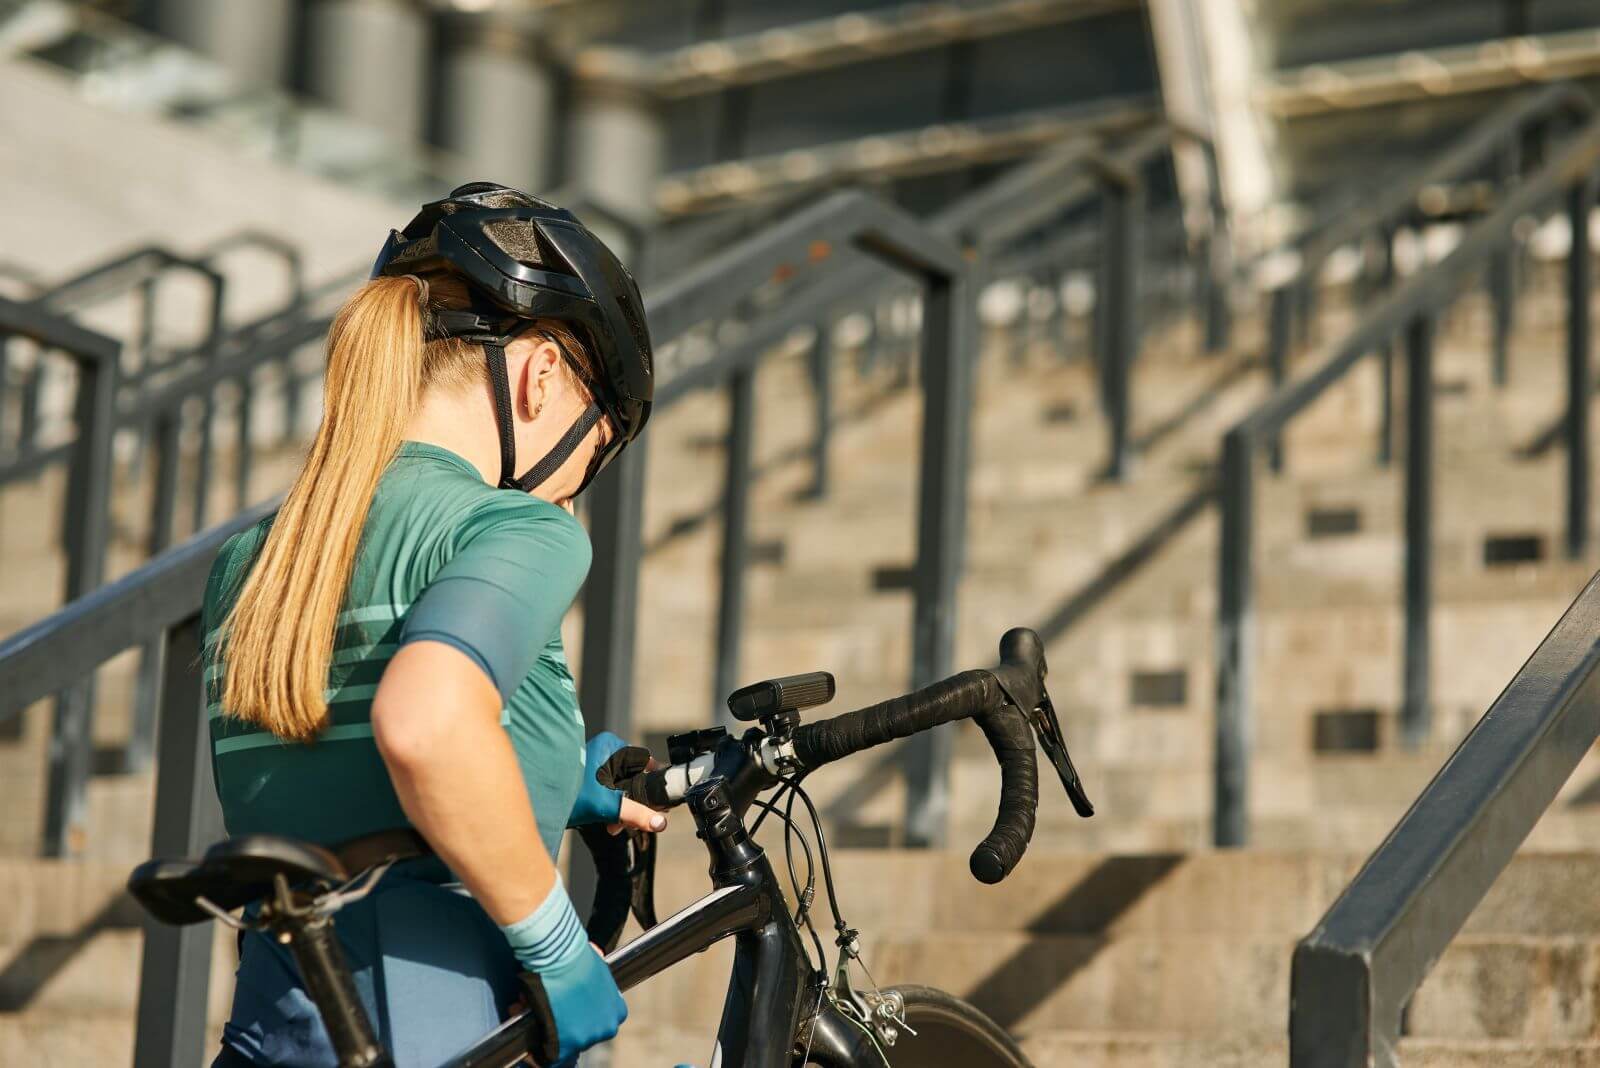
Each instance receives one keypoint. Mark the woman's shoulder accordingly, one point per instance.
(509, 515)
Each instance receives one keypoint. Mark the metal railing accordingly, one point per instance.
(151, 407)
(96, 359)
(1506, 143)
(1411, 311)
(982, 224)
(158, 604)
(1355, 973)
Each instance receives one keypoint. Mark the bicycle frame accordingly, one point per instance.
(771, 986)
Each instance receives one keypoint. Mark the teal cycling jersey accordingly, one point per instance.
(443, 557)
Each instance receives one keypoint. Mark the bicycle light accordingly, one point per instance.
(792, 693)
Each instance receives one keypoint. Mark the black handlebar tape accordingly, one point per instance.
(1012, 741)
(971, 694)
(958, 697)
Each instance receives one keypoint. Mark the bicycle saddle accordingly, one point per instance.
(233, 873)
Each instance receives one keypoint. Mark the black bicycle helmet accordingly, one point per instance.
(524, 259)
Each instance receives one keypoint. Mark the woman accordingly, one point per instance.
(385, 652)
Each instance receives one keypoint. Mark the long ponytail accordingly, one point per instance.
(280, 633)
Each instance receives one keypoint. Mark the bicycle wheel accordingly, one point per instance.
(949, 1033)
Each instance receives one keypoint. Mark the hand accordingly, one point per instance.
(569, 987)
(583, 1002)
(607, 759)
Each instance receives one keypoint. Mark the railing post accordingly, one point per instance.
(1386, 363)
(1231, 786)
(947, 363)
(1502, 268)
(1580, 378)
(1280, 317)
(610, 601)
(1119, 292)
(1214, 307)
(88, 493)
(208, 404)
(735, 540)
(175, 970)
(31, 403)
(243, 460)
(202, 462)
(821, 359)
(1415, 709)
(163, 518)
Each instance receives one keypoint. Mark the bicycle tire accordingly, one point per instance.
(950, 1033)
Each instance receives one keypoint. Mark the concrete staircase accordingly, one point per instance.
(1121, 941)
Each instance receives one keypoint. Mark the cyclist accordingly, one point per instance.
(385, 651)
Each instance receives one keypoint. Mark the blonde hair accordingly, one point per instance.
(280, 631)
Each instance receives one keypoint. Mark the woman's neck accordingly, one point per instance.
(458, 422)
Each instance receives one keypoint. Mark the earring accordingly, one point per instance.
(537, 409)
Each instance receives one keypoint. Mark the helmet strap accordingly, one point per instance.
(500, 380)
(559, 452)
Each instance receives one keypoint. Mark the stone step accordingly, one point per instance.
(1529, 989)
(900, 893)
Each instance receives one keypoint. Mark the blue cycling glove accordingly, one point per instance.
(597, 802)
(568, 983)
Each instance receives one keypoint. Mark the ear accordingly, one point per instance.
(535, 380)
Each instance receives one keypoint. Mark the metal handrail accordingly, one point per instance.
(1497, 140)
(85, 532)
(1410, 310)
(1354, 974)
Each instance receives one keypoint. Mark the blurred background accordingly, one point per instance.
(1241, 347)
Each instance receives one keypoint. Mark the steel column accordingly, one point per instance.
(1580, 377)
(1415, 709)
(735, 540)
(1386, 278)
(1502, 272)
(947, 349)
(610, 604)
(175, 969)
(1231, 785)
(349, 41)
(611, 596)
(1280, 318)
(821, 366)
(163, 519)
(492, 58)
(243, 458)
(1121, 206)
(88, 500)
(5, 384)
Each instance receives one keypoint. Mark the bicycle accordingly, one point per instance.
(781, 1008)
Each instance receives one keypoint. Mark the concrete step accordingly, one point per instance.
(1214, 985)
(641, 1046)
(898, 892)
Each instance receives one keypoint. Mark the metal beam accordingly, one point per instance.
(141, 605)
(1580, 374)
(175, 967)
(735, 541)
(1415, 707)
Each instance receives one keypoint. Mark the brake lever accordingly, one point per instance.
(1047, 728)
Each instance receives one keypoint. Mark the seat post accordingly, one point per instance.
(326, 974)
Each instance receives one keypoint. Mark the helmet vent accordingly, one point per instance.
(517, 239)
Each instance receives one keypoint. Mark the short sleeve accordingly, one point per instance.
(500, 598)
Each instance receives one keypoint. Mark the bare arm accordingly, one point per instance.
(436, 719)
